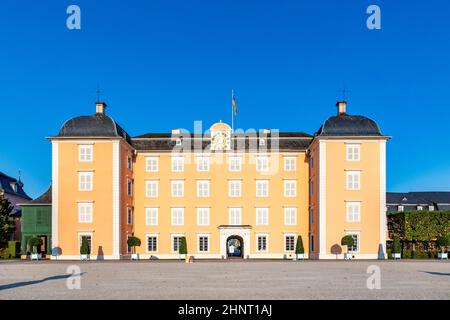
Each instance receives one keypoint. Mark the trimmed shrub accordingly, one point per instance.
(443, 242)
(134, 242)
(183, 246)
(299, 249)
(396, 247)
(347, 241)
(84, 249)
(34, 242)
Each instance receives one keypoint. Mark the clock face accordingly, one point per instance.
(220, 140)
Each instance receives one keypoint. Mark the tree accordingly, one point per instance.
(7, 223)
(347, 241)
(443, 242)
(34, 242)
(396, 247)
(183, 246)
(299, 249)
(134, 242)
(84, 249)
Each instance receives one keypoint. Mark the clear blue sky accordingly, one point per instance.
(163, 64)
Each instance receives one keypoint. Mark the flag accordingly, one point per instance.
(233, 102)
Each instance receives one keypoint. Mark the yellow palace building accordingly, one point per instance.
(229, 193)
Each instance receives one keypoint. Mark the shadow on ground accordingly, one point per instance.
(437, 273)
(29, 283)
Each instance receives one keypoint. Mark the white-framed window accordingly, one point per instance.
(234, 164)
(177, 187)
(311, 215)
(262, 216)
(311, 162)
(85, 212)
(202, 164)
(177, 164)
(129, 187)
(262, 188)
(151, 216)
(151, 188)
(176, 240)
(290, 216)
(262, 163)
(203, 188)
(353, 211)
(129, 215)
(88, 236)
(152, 243)
(290, 188)
(235, 215)
(419, 208)
(290, 164)
(262, 141)
(430, 208)
(85, 153)
(401, 208)
(85, 181)
(261, 243)
(355, 247)
(177, 216)
(203, 243)
(353, 180)
(353, 152)
(234, 188)
(203, 216)
(151, 164)
(289, 242)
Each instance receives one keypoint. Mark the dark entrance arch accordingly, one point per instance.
(235, 247)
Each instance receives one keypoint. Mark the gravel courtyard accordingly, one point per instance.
(225, 280)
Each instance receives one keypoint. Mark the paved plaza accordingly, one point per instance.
(413, 279)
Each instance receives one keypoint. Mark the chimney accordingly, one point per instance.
(342, 107)
(100, 107)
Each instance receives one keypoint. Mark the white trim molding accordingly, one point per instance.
(55, 189)
(383, 219)
(322, 198)
(116, 168)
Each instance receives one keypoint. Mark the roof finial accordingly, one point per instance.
(344, 92)
(98, 92)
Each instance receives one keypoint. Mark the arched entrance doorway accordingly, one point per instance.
(235, 247)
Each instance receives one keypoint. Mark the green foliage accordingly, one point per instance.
(134, 242)
(84, 249)
(443, 241)
(299, 249)
(420, 225)
(183, 246)
(7, 223)
(347, 241)
(389, 253)
(407, 254)
(12, 248)
(396, 247)
(34, 242)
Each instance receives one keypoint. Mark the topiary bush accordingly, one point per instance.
(134, 242)
(443, 242)
(396, 246)
(84, 249)
(34, 242)
(299, 249)
(347, 241)
(183, 246)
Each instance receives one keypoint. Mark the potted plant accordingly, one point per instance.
(85, 251)
(348, 241)
(134, 242)
(34, 242)
(299, 249)
(396, 248)
(443, 242)
(182, 250)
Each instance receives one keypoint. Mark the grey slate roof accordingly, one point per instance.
(165, 142)
(7, 183)
(347, 125)
(97, 125)
(417, 198)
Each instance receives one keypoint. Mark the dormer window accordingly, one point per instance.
(419, 208)
(178, 142)
(13, 186)
(262, 142)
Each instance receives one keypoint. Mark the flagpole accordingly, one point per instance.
(232, 111)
